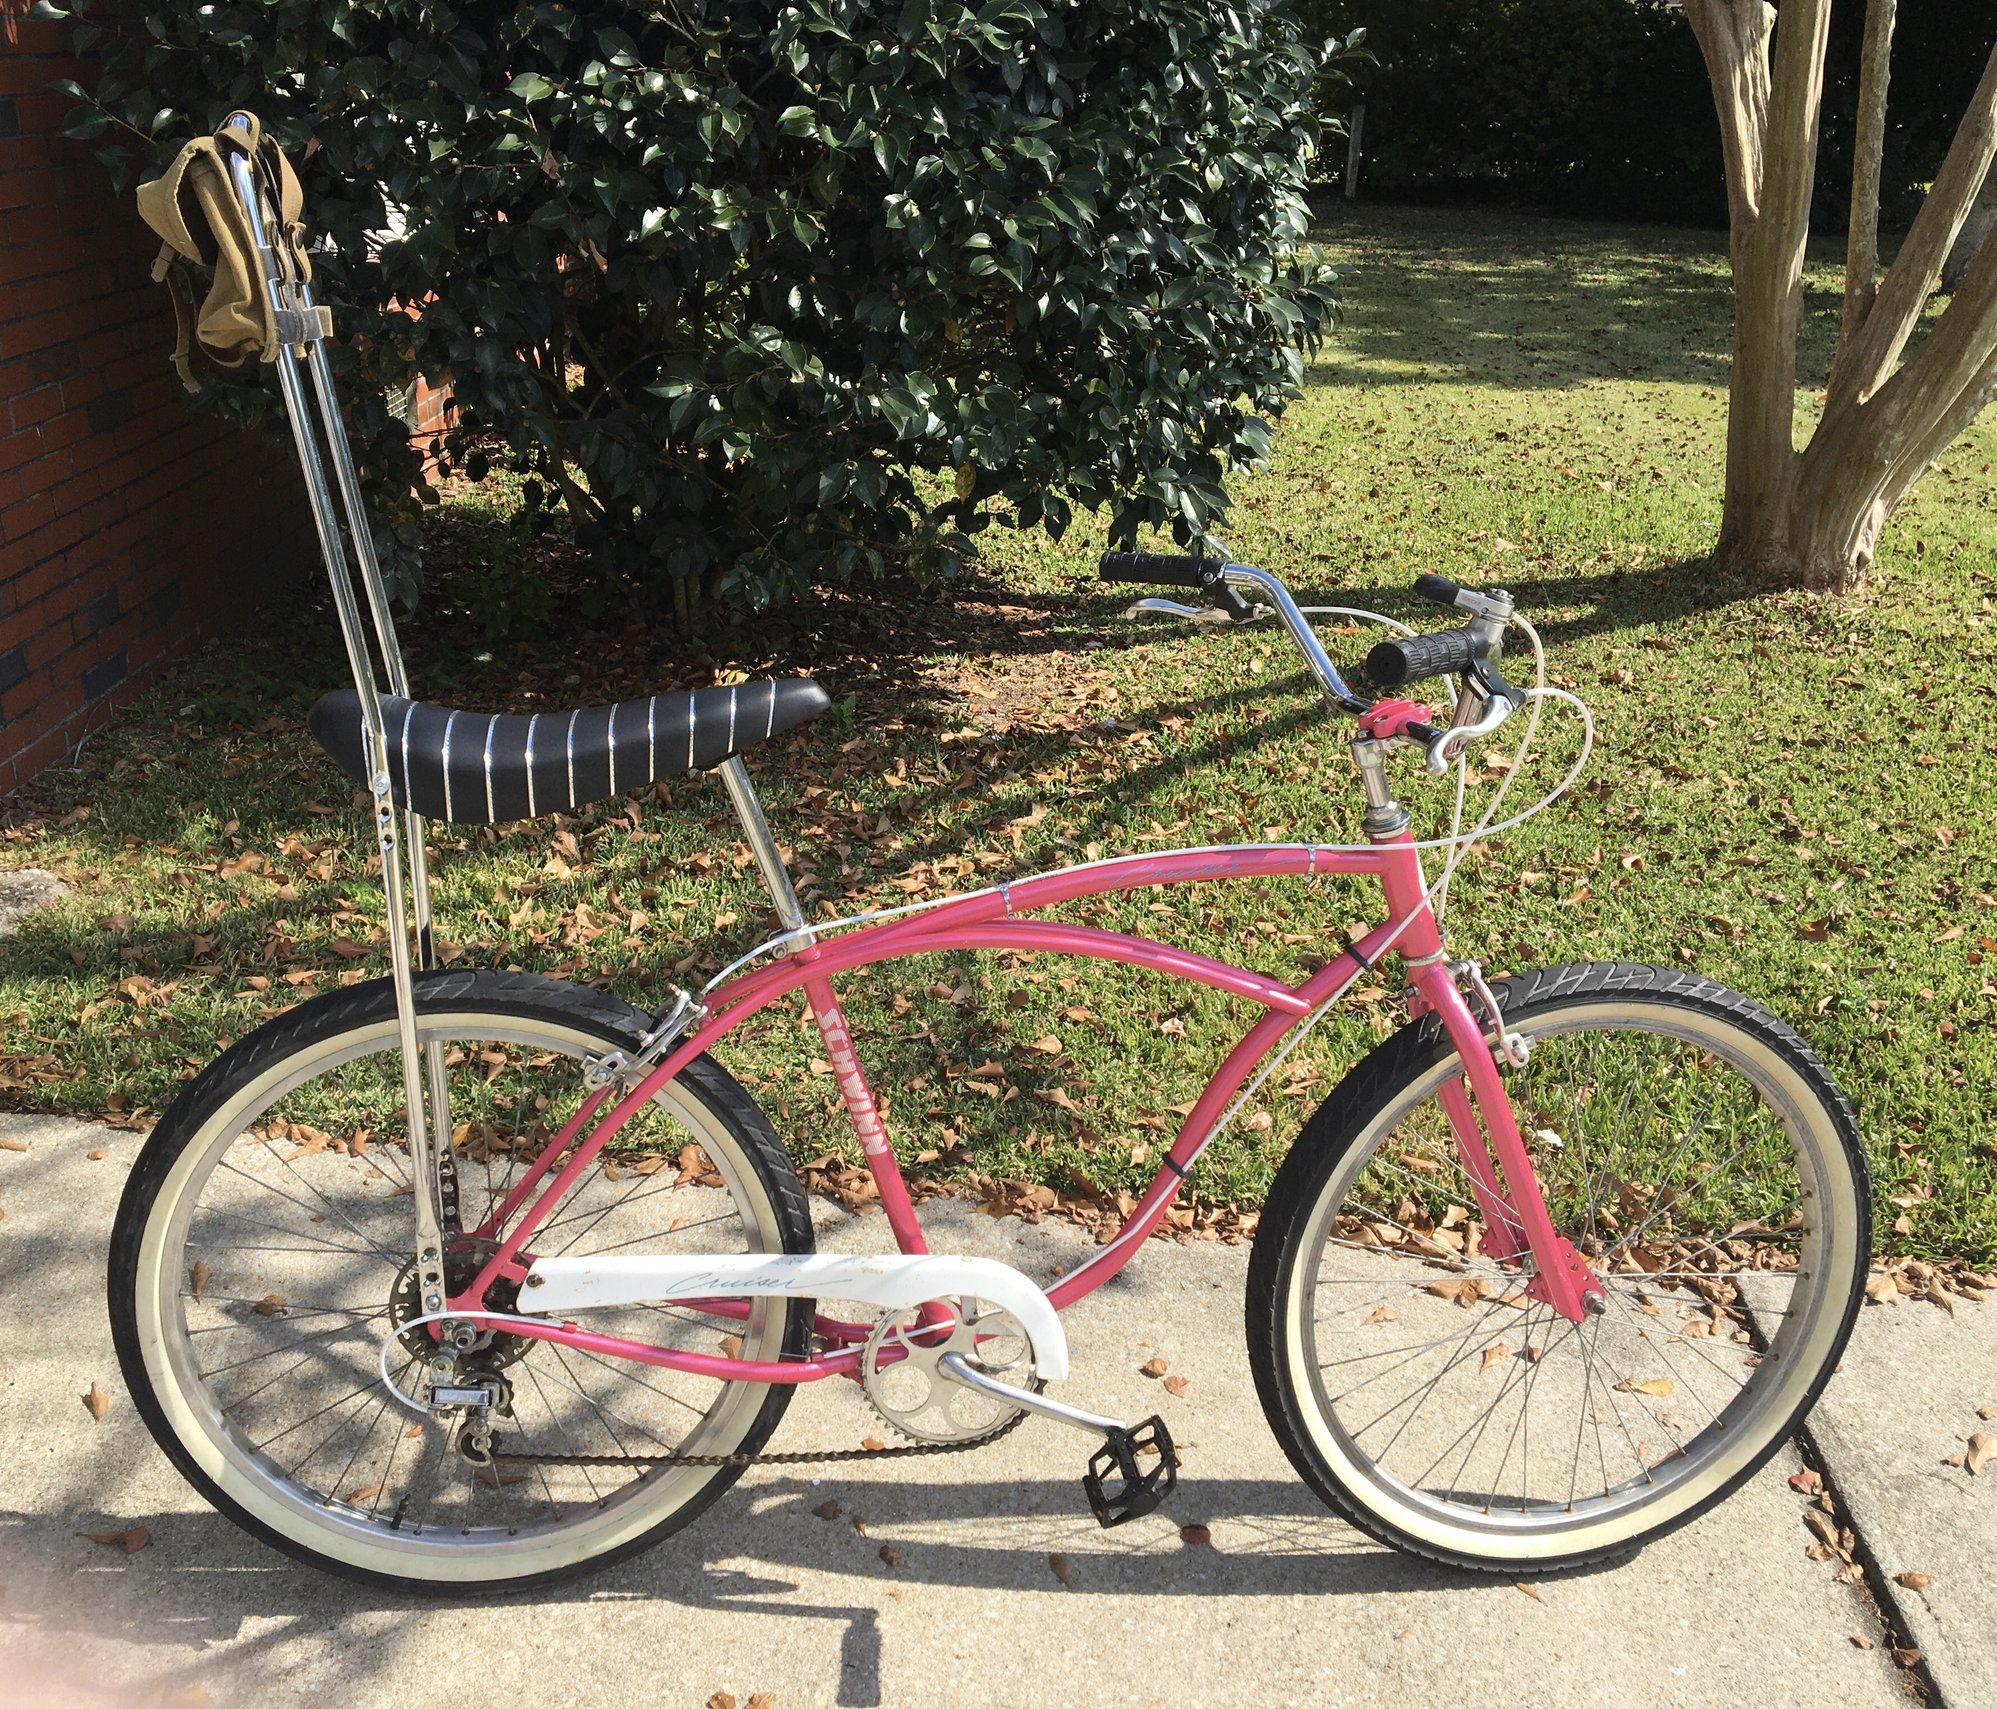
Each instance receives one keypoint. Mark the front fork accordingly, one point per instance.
(1476, 1103)
(1516, 1220)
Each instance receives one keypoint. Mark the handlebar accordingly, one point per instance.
(1470, 650)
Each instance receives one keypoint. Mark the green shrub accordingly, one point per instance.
(768, 291)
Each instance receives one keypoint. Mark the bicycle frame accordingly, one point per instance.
(1485, 1128)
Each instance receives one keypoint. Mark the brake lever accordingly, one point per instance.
(1440, 755)
(1210, 614)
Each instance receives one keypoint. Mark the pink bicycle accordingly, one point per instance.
(468, 1279)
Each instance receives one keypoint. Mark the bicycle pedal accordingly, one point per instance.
(1118, 1483)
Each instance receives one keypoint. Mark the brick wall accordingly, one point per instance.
(129, 530)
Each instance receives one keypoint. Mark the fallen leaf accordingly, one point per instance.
(721, 1700)
(890, 1554)
(827, 1510)
(1982, 1450)
(1658, 1386)
(199, 1280)
(1805, 1482)
(1195, 1534)
(1913, 1581)
(1381, 1314)
(1153, 1368)
(1986, 1412)
(13, 1145)
(1062, 1568)
(1465, 1293)
(1824, 1526)
(97, 1402)
(1861, 1641)
(762, 1700)
(1495, 1354)
(1532, 1590)
(1048, 1046)
(1906, 1658)
(97, 1154)
(1882, 1290)
(1176, 1385)
(271, 1305)
(873, 1444)
(860, 1523)
(366, 1493)
(131, 1541)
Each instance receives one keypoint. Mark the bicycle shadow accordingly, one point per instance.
(204, 1584)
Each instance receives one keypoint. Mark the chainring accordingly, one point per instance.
(902, 1373)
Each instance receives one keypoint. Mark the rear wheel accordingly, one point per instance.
(1699, 1156)
(263, 1254)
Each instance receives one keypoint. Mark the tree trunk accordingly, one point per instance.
(1982, 217)
(1861, 262)
(1769, 184)
(1814, 517)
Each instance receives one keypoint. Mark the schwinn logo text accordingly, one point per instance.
(846, 1069)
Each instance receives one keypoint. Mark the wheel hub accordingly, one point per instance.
(494, 1349)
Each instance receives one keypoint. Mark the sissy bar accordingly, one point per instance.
(348, 548)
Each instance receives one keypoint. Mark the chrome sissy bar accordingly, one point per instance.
(348, 549)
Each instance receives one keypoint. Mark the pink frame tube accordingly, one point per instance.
(1515, 1212)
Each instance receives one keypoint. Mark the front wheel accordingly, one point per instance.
(1696, 1153)
(264, 1253)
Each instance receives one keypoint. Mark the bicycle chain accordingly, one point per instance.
(823, 1457)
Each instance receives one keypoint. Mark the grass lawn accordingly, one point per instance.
(1792, 793)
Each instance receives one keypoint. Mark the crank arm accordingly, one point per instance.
(1118, 1487)
(960, 1371)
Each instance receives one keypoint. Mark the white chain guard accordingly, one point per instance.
(893, 1283)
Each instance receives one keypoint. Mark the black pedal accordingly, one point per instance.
(1132, 1473)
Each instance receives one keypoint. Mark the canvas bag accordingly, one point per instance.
(193, 207)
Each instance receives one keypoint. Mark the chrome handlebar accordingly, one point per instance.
(1442, 749)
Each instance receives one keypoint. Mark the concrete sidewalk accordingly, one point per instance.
(1285, 1606)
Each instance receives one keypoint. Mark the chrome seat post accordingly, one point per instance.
(769, 858)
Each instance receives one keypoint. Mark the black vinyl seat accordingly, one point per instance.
(479, 768)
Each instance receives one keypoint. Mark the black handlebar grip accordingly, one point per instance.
(1395, 664)
(1440, 589)
(1159, 569)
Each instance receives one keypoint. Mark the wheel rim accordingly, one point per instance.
(1480, 1411)
(292, 1422)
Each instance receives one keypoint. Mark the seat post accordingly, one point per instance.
(756, 829)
